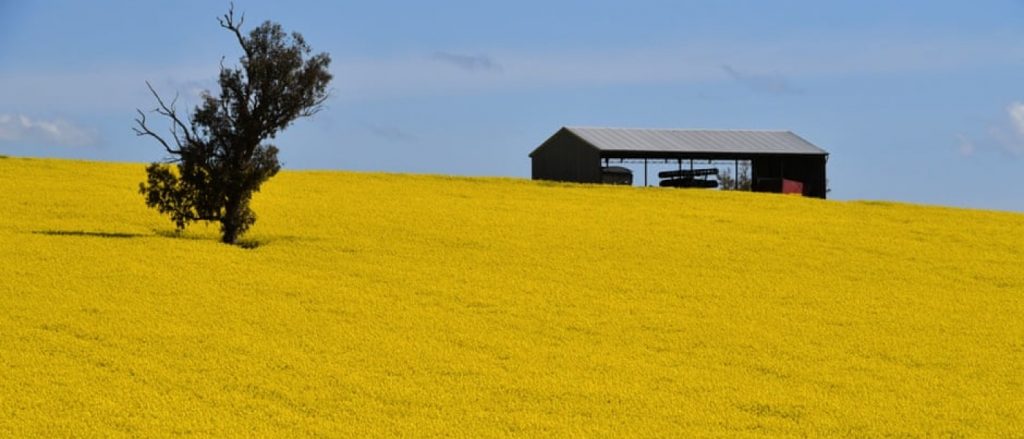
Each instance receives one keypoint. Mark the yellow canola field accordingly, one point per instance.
(404, 305)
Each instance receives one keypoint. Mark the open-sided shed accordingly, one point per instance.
(577, 154)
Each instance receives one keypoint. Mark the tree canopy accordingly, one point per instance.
(218, 156)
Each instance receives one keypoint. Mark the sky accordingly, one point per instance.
(916, 101)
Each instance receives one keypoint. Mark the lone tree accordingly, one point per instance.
(218, 157)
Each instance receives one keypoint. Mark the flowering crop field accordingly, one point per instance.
(405, 305)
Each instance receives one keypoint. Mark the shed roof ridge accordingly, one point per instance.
(751, 130)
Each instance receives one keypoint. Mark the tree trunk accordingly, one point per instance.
(232, 224)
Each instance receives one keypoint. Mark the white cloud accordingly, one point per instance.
(1014, 142)
(1007, 135)
(1016, 112)
(965, 146)
(23, 129)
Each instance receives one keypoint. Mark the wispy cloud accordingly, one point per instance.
(1006, 135)
(965, 146)
(54, 132)
(471, 63)
(1015, 111)
(763, 66)
(443, 73)
(390, 133)
(1014, 143)
(762, 83)
(111, 88)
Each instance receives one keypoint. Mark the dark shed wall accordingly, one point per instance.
(566, 157)
(767, 172)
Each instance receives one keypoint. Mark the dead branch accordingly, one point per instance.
(171, 112)
(143, 130)
(228, 22)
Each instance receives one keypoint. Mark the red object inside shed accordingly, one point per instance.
(792, 187)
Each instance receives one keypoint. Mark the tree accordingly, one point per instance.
(730, 182)
(218, 157)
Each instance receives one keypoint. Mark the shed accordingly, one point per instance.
(577, 154)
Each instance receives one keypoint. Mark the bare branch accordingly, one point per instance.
(317, 105)
(228, 22)
(143, 130)
(171, 113)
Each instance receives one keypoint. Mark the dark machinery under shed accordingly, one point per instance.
(780, 160)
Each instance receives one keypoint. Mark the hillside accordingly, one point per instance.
(389, 305)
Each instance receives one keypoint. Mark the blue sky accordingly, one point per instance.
(918, 101)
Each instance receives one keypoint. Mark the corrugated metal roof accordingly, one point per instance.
(696, 141)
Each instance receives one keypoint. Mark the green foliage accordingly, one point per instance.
(218, 157)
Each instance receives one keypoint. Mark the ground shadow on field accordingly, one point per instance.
(87, 233)
(181, 235)
(246, 243)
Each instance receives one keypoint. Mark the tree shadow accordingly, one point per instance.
(247, 244)
(87, 233)
(174, 234)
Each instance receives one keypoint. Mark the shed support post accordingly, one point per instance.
(645, 172)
